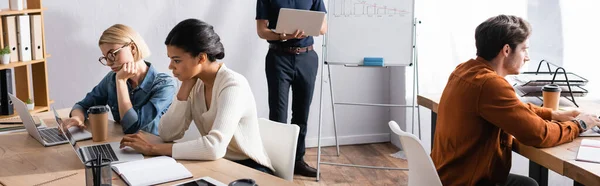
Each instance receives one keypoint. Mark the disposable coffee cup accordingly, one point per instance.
(98, 118)
(551, 94)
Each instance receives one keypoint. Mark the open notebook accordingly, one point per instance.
(589, 151)
(151, 171)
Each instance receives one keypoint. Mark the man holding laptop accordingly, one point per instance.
(291, 61)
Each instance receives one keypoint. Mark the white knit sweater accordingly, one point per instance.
(228, 129)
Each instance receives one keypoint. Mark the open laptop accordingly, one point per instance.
(107, 150)
(46, 136)
(594, 131)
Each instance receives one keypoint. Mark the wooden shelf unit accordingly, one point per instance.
(31, 77)
(21, 12)
(36, 109)
(20, 64)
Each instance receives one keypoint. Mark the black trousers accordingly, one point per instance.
(298, 71)
(252, 164)
(518, 180)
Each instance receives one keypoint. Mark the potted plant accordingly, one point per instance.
(30, 104)
(5, 55)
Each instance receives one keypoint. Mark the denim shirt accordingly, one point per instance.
(150, 100)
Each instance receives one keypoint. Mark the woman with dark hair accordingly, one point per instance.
(216, 98)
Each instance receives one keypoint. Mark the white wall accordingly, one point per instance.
(73, 28)
(544, 17)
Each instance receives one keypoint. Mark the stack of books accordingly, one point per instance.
(14, 124)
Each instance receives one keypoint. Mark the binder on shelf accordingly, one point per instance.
(2, 38)
(36, 37)
(16, 4)
(24, 38)
(9, 28)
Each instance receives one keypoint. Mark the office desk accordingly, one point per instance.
(560, 159)
(24, 161)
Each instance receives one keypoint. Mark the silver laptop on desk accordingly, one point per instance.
(46, 136)
(107, 150)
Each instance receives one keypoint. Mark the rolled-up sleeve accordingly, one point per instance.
(98, 96)
(148, 116)
(500, 106)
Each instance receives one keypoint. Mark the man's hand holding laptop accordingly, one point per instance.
(299, 34)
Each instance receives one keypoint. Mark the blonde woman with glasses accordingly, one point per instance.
(136, 93)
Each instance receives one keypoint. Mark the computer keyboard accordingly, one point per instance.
(104, 149)
(596, 129)
(51, 135)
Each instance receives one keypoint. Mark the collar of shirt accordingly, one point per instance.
(146, 84)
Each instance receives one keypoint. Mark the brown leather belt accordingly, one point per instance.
(291, 50)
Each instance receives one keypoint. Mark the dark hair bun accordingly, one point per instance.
(195, 37)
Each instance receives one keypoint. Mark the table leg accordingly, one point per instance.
(433, 123)
(538, 173)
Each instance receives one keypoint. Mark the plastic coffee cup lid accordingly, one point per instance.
(551, 88)
(98, 109)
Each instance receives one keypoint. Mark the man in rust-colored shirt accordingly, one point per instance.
(479, 113)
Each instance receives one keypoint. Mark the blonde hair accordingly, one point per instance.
(121, 34)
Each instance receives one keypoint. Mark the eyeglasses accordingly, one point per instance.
(111, 55)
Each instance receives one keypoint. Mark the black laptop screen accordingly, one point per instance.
(67, 133)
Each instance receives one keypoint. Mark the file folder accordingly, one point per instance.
(2, 45)
(36, 37)
(10, 36)
(16, 4)
(24, 38)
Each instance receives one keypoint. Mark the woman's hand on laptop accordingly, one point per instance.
(71, 122)
(138, 142)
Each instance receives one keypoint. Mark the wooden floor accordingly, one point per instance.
(369, 154)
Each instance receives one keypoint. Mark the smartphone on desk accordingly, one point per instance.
(203, 181)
